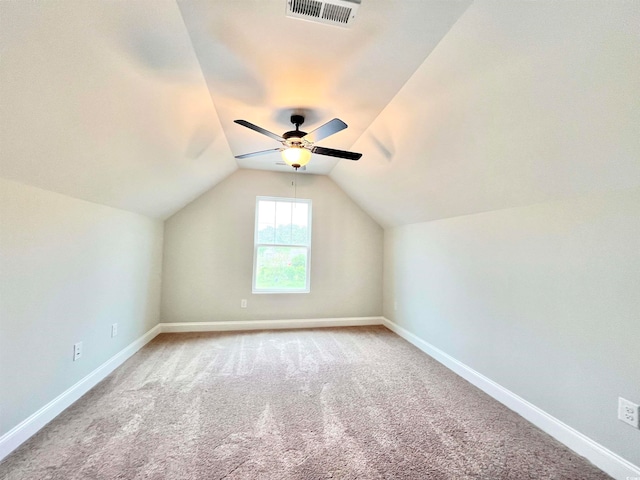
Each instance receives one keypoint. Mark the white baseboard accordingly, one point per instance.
(600, 456)
(28, 427)
(270, 324)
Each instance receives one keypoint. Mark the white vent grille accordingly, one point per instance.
(332, 12)
(336, 13)
(308, 8)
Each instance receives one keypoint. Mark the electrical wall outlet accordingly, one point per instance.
(628, 412)
(77, 351)
(243, 303)
(114, 330)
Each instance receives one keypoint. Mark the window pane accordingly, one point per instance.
(300, 214)
(299, 235)
(281, 267)
(266, 222)
(267, 212)
(266, 233)
(283, 222)
(300, 220)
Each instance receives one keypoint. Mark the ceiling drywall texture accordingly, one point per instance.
(105, 101)
(131, 104)
(521, 103)
(262, 66)
(457, 107)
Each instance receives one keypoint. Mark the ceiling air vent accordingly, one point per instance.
(333, 12)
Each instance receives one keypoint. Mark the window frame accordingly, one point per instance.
(257, 245)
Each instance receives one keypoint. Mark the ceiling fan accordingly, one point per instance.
(297, 146)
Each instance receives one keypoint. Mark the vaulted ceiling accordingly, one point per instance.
(457, 107)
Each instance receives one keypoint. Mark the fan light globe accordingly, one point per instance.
(296, 156)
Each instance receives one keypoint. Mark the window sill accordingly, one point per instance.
(262, 292)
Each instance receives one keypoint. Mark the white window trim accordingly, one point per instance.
(256, 245)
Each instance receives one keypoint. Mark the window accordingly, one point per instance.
(282, 245)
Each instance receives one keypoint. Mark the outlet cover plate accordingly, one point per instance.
(77, 351)
(628, 412)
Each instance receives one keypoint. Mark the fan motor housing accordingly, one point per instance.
(297, 120)
(293, 133)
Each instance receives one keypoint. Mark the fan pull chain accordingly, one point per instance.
(295, 184)
(295, 197)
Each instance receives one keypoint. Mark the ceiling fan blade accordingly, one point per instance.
(329, 128)
(336, 153)
(261, 152)
(258, 129)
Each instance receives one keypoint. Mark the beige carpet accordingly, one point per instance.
(303, 404)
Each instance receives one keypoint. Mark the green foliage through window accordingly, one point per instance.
(283, 234)
(281, 267)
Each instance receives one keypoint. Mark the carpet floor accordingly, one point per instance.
(348, 403)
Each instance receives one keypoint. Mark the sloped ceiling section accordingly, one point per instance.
(458, 108)
(105, 101)
(262, 66)
(521, 102)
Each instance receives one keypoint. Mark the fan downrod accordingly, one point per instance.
(297, 120)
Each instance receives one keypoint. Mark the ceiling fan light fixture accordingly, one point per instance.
(297, 146)
(296, 156)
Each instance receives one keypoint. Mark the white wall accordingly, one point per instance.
(208, 254)
(68, 270)
(544, 300)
